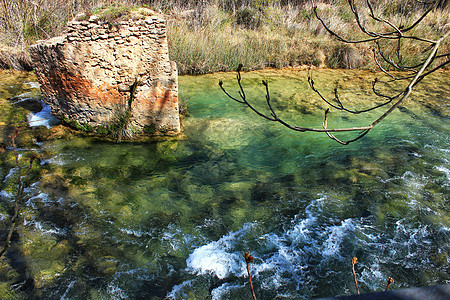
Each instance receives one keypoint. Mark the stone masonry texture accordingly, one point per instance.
(87, 74)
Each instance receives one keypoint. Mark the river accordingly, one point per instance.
(172, 219)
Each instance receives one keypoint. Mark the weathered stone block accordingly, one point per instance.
(88, 80)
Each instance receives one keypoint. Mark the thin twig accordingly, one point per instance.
(354, 261)
(248, 259)
(414, 74)
(389, 282)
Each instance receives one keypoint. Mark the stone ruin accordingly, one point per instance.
(101, 70)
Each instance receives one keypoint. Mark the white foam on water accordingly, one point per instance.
(371, 275)
(11, 173)
(6, 195)
(116, 292)
(301, 232)
(173, 239)
(311, 248)
(435, 148)
(135, 232)
(410, 242)
(62, 159)
(332, 245)
(223, 291)
(213, 259)
(33, 85)
(69, 287)
(414, 181)
(286, 258)
(178, 290)
(44, 228)
(446, 171)
(409, 246)
(41, 197)
(57, 160)
(218, 258)
(42, 118)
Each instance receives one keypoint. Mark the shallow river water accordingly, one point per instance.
(172, 219)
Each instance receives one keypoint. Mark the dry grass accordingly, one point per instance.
(22, 23)
(217, 35)
(220, 42)
(212, 38)
(221, 45)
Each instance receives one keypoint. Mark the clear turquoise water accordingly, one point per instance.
(172, 219)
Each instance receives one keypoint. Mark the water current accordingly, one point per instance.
(172, 219)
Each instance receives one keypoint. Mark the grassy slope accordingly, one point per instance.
(220, 34)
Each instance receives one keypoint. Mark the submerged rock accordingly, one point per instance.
(31, 104)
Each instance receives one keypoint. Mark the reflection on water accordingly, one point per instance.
(172, 219)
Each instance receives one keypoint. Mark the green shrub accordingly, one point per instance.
(87, 128)
(65, 121)
(102, 130)
(248, 17)
(113, 13)
(150, 129)
(74, 124)
(163, 129)
(345, 56)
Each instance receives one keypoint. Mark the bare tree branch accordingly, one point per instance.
(389, 282)
(248, 259)
(354, 261)
(394, 37)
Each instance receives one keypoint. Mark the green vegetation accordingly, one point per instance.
(217, 35)
(150, 129)
(120, 123)
(112, 12)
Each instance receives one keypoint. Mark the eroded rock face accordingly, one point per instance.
(87, 75)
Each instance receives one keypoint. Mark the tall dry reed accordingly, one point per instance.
(217, 35)
(22, 23)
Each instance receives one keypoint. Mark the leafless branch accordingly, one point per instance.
(248, 259)
(389, 282)
(354, 261)
(396, 38)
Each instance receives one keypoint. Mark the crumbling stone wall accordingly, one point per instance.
(88, 74)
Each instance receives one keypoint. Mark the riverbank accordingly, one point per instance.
(218, 35)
